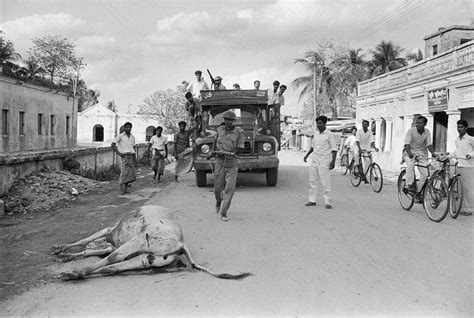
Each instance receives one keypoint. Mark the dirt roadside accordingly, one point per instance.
(26, 239)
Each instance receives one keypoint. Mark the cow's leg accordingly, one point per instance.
(138, 262)
(60, 248)
(66, 257)
(135, 246)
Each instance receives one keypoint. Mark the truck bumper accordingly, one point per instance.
(245, 163)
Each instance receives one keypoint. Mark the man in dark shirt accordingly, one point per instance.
(182, 151)
(228, 143)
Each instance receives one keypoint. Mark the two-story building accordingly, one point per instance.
(440, 87)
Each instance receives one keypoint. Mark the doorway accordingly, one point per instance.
(440, 132)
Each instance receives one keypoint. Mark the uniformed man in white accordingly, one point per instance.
(364, 140)
(324, 150)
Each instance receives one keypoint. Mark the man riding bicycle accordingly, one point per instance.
(417, 144)
(364, 140)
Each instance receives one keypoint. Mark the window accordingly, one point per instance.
(149, 132)
(435, 49)
(40, 124)
(68, 120)
(53, 121)
(21, 123)
(465, 40)
(5, 122)
(98, 133)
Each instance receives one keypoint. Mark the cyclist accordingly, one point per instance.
(350, 144)
(417, 144)
(364, 140)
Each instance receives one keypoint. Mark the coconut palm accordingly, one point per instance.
(415, 56)
(386, 58)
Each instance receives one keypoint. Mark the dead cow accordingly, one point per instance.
(144, 238)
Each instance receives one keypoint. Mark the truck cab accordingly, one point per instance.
(262, 133)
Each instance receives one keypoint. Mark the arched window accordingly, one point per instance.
(150, 131)
(98, 133)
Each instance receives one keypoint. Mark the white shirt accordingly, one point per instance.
(351, 141)
(323, 144)
(281, 100)
(196, 87)
(272, 97)
(158, 143)
(124, 143)
(364, 138)
(464, 146)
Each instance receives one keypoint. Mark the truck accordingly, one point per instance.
(261, 129)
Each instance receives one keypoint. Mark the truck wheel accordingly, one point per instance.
(201, 178)
(272, 177)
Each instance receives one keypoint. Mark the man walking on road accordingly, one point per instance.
(182, 151)
(124, 146)
(417, 144)
(160, 152)
(324, 149)
(228, 143)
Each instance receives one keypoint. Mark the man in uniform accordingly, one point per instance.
(217, 85)
(324, 149)
(364, 140)
(229, 139)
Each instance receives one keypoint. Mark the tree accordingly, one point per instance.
(415, 56)
(332, 78)
(7, 49)
(57, 57)
(166, 106)
(386, 58)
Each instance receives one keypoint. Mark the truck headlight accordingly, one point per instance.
(267, 146)
(205, 149)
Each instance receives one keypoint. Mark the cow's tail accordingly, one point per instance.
(218, 275)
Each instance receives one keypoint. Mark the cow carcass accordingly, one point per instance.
(145, 238)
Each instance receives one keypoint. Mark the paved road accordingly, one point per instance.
(365, 256)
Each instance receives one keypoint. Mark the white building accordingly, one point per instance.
(99, 125)
(441, 88)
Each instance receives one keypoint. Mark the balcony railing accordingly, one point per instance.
(456, 58)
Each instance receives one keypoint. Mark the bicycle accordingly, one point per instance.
(375, 176)
(344, 163)
(454, 182)
(433, 193)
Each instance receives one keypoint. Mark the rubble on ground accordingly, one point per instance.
(42, 190)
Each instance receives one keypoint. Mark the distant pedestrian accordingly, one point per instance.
(465, 155)
(229, 139)
(256, 84)
(350, 145)
(182, 150)
(198, 85)
(124, 146)
(159, 147)
(324, 150)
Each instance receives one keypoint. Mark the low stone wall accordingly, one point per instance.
(93, 159)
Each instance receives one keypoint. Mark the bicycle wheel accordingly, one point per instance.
(435, 199)
(455, 197)
(376, 177)
(344, 164)
(354, 174)
(405, 197)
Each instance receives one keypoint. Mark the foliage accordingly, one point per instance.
(386, 58)
(415, 56)
(57, 58)
(333, 75)
(7, 49)
(166, 106)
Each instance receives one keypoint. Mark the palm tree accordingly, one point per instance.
(415, 56)
(386, 58)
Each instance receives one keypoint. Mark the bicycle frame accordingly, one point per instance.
(425, 182)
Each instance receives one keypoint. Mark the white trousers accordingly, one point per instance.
(410, 171)
(319, 174)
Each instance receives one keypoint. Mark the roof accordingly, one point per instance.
(234, 97)
(450, 28)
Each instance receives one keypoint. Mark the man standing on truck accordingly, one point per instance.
(217, 84)
(274, 99)
(228, 143)
(256, 84)
(324, 149)
(198, 85)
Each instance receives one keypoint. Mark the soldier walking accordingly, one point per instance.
(228, 143)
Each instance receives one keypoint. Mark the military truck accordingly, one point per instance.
(262, 133)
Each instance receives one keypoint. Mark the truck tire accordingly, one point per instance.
(201, 178)
(272, 176)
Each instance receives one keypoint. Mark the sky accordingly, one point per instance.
(133, 48)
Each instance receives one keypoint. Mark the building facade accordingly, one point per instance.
(35, 118)
(98, 125)
(440, 87)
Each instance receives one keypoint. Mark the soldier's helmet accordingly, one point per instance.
(229, 115)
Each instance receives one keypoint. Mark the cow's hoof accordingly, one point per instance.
(71, 276)
(56, 249)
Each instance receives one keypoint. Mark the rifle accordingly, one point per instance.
(212, 78)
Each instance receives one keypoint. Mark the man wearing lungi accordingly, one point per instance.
(182, 151)
(159, 153)
(124, 146)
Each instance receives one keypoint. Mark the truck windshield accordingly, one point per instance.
(246, 116)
